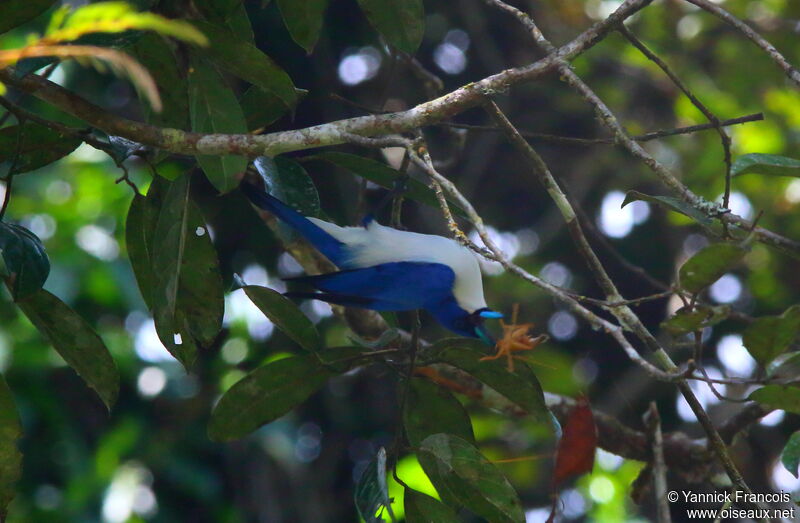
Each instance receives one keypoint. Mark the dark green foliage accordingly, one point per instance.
(709, 265)
(671, 203)
(188, 297)
(10, 456)
(286, 316)
(140, 228)
(521, 386)
(464, 477)
(214, 109)
(771, 164)
(431, 409)
(687, 320)
(288, 181)
(75, 341)
(383, 175)
(244, 60)
(303, 20)
(17, 12)
(769, 336)
(157, 55)
(401, 22)
(30, 146)
(790, 457)
(785, 397)
(261, 107)
(266, 394)
(421, 508)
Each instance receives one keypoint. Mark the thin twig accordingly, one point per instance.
(646, 137)
(710, 116)
(82, 134)
(397, 201)
(492, 252)
(750, 33)
(624, 314)
(652, 421)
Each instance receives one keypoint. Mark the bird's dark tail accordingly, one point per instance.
(332, 248)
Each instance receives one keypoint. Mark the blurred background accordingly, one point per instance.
(150, 458)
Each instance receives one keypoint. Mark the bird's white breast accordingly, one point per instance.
(376, 244)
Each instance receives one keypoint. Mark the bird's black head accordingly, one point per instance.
(479, 331)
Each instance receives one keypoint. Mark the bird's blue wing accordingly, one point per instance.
(358, 302)
(389, 286)
(332, 248)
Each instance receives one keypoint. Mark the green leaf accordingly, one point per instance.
(264, 395)
(36, 144)
(17, 12)
(462, 476)
(521, 386)
(303, 20)
(246, 61)
(431, 409)
(218, 10)
(790, 457)
(140, 229)
(686, 320)
(157, 56)
(673, 204)
(188, 298)
(384, 176)
(287, 181)
(75, 341)
(401, 22)
(372, 493)
(709, 265)
(231, 14)
(261, 107)
(24, 261)
(784, 397)
(214, 109)
(421, 508)
(286, 316)
(769, 336)
(10, 456)
(771, 164)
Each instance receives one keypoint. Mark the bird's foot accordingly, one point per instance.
(515, 339)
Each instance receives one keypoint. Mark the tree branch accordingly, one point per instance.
(334, 133)
(711, 117)
(624, 314)
(752, 35)
(647, 137)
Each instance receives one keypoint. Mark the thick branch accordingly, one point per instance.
(183, 142)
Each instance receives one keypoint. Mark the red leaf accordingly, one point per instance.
(575, 454)
(576, 449)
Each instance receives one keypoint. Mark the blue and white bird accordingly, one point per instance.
(386, 269)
